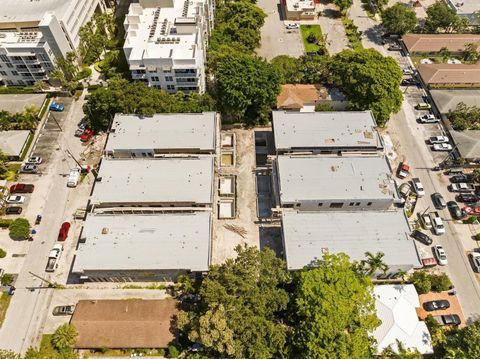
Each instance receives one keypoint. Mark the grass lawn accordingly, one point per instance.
(306, 30)
(27, 147)
(4, 303)
(13, 169)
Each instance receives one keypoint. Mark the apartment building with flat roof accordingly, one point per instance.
(34, 33)
(166, 42)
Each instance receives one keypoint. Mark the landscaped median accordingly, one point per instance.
(313, 40)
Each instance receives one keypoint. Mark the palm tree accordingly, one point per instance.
(64, 337)
(375, 262)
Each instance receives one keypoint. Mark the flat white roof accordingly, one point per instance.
(192, 131)
(13, 141)
(338, 129)
(19, 102)
(162, 180)
(145, 242)
(334, 178)
(308, 235)
(28, 10)
(396, 307)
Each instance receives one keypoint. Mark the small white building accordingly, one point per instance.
(34, 33)
(162, 182)
(396, 307)
(135, 136)
(166, 42)
(332, 183)
(299, 9)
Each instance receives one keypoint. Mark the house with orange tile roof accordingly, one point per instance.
(433, 43)
(450, 75)
(304, 98)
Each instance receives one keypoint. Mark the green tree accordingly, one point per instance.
(64, 337)
(333, 310)
(463, 343)
(442, 18)
(314, 69)
(465, 117)
(323, 106)
(370, 81)
(379, 4)
(247, 87)
(399, 19)
(19, 229)
(421, 281)
(373, 263)
(440, 282)
(8, 354)
(445, 54)
(241, 302)
(343, 5)
(288, 68)
(471, 53)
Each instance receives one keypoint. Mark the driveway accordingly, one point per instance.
(332, 28)
(276, 39)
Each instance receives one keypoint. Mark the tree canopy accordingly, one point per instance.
(370, 80)
(442, 18)
(240, 302)
(19, 229)
(343, 4)
(122, 96)
(247, 87)
(399, 19)
(308, 69)
(465, 117)
(333, 310)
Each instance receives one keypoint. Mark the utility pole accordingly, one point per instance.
(78, 163)
(50, 284)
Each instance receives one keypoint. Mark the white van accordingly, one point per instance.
(73, 177)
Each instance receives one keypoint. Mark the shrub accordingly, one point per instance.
(311, 38)
(7, 279)
(161, 352)
(19, 229)
(477, 237)
(3, 254)
(64, 337)
(440, 282)
(83, 73)
(470, 220)
(421, 282)
(173, 351)
(5, 223)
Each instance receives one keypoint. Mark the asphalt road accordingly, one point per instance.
(55, 202)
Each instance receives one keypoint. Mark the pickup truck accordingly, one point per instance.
(438, 226)
(54, 257)
(73, 177)
(462, 187)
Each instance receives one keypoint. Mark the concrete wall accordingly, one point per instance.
(348, 205)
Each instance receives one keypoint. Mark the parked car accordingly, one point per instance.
(429, 118)
(426, 221)
(440, 255)
(73, 177)
(442, 147)
(475, 257)
(86, 135)
(57, 107)
(15, 199)
(423, 106)
(78, 132)
(409, 81)
(63, 233)
(436, 305)
(462, 187)
(408, 71)
(421, 237)
(82, 124)
(29, 168)
(22, 188)
(454, 171)
(63, 310)
(13, 210)
(468, 198)
(292, 26)
(438, 201)
(418, 187)
(394, 47)
(454, 210)
(450, 319)
(438, 139)
(35, 160)
(403, 170)
(461, 178)
(404, 190)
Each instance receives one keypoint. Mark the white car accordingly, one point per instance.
(408, 71)
(418, 187)
(35, 160)
(438, 139)
(430, 118)
(292, 26)
(15, 199)
(440, 254)
(442, 147)
(73, 177)
(475, 261)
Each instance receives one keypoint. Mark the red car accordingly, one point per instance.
(86, 135)
(63, 234)
(22, 188)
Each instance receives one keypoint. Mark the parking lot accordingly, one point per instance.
(276, 39)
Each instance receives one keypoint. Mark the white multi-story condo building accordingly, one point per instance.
(35, 32)
(166, 41)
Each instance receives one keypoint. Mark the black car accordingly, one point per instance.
(467, 198)
(451, 319)
(13, 210)
(421, 237)
(409, 81)
(436, 305)
(454, 210)
(438, 201)
(461, 178)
